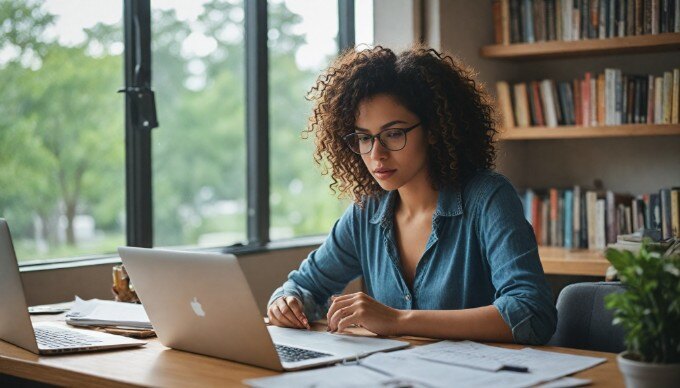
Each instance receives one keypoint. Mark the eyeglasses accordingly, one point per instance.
(393, 139)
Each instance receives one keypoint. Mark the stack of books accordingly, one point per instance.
(596, 99)
(530, 21)
(590, 219)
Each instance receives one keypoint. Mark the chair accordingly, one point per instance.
(583, 322)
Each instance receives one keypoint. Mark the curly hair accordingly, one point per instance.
(454, 111)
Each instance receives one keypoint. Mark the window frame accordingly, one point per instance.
(138, 155)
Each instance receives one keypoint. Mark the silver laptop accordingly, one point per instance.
(40, 338)
(202, 303)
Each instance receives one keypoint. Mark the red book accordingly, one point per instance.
(585, 92)
(540, 120)
(578, 103)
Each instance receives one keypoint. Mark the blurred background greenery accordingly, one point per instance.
(62, 178)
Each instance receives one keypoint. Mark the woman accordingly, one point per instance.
(440, 240)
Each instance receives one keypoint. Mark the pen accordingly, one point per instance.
(515, 368)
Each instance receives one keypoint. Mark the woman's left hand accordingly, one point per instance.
(362, 310)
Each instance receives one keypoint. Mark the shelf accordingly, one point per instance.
(577, 132)
(561, 261)
(560, 49)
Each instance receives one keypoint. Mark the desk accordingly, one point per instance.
(156, 365)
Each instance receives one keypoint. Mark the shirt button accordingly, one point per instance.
(407, 297)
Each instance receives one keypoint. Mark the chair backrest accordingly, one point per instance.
(583, 322)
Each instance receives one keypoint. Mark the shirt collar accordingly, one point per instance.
(449, 204)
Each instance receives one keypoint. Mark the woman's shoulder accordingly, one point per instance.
(484, 184)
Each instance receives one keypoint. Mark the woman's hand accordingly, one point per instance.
(287, 312)
(362, 310)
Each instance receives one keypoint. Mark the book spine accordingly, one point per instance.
(576, 218)
(611, 217)
(554, 209)
(591, 202)
(559, 25)
(666, 218)
(655, 16)
(667, 96)
(585, 91)
(647, 17)
(650, 99)
(576, 20)
(643, 98)
(528, 22)
(630, 17)
(637, 100)
(675, 96)
(515, 24)
(600, 99)
(655, 211)
(611, 18)
(665, 10)
(545, 222)
(635, 204)
(639, 17)
(556, 103)
(569, 95)
(548, 104)
(675, 212)
(585, 19)
(568, 218)
(578, 102)
(538, 11)
(505, 22)
(630, 104)
(594, 97)
(618, 97)
(609, 96)
(658, 100)
(593, 27)
(583, 219)
(539, 111)
(497, 21)
(566, 16)
(676, 16)
(550, 22)
(505, 104)
(600, 233)
(621, 19)
(602, 22)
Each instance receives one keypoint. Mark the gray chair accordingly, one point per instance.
(583, 322)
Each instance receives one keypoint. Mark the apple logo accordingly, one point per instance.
(198, 309)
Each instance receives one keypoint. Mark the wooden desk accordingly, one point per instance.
(560, 261)
(156, 365)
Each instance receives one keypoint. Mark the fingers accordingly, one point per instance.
(280, 314)
(349, 320)
(296, 307)
(338, 311)
(339, 301)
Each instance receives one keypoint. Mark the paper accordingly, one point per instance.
(547, 365)
(335, 376)
(405, 365)
(566, 382)
(95, 312)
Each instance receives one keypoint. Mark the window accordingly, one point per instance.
(61, 141)
(199, 155)
(63, 126)
(302, 41)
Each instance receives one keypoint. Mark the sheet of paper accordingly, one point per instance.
(335, 376)
(549, 365)
(566, 382)
(97, 312)
(405, 365)
(552, 365)
(463, 353)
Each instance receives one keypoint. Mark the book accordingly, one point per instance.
(521, 105)
(600, 228)
(675, 212)
(505, 22)
(675, 96)
(505, 104)
(497, 21)
(666, 215)
(576, 218)
(568, 218)
(546, 96)
(667, 96)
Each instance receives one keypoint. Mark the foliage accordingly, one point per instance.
(62, 130)
(649, 309)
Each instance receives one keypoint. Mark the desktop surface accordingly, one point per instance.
(156, 365)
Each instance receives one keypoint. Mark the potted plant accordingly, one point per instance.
(649, 311)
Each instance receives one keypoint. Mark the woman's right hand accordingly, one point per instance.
(287, 311)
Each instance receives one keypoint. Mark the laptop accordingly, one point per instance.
(202, 303)
(47, 337)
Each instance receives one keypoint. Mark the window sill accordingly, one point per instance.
(244, 251)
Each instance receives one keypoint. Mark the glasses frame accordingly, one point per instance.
(347, 138)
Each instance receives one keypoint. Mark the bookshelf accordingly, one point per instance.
(578, 132)
(580, 48)
(629, 158)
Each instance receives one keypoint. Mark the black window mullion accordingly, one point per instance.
(346, 35)
(257, 121)
(140, 118)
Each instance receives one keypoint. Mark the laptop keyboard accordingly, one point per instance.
(291, 354)
(56, 338)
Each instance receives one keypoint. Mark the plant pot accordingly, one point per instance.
(639, 374)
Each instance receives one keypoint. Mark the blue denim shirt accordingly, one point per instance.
(481, 251)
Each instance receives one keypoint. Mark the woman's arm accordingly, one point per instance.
(326, 271)
(481, 323)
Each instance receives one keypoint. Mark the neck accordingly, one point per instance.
(417, 197)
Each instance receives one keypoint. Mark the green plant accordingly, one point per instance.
(649, 309)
